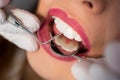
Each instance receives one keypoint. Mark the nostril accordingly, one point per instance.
(88, 4)
(95, 6)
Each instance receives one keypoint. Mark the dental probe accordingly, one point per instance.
(79, 58)
(11, 18)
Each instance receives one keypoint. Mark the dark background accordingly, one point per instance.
(29, 5)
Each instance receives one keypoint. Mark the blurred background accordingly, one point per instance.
(13, 62)
(29, 5)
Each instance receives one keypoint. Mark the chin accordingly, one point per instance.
(49, 67)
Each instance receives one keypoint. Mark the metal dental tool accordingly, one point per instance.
(11, 18)
(73, 54)
(77, 57)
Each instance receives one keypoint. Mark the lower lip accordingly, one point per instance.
(44, 30)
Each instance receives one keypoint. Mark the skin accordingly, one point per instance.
(99, 21)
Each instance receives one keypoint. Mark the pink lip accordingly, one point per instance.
(75, 25)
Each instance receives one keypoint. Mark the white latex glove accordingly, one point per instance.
(107, 68)
(18, 36)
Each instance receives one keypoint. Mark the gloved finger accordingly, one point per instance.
(84, 70)
(30, 21)
(2, 14)
(102, 72)
(3, 3)
(19, 37)
(112, 56)
(80, 70)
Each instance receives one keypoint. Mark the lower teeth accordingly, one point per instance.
(57, 50)
(66, 44)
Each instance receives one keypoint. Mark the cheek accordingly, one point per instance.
(48, 67)
(44, 6)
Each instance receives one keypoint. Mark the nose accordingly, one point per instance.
(95, 6)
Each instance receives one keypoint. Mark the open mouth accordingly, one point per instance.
(72, 39)
(69, 42)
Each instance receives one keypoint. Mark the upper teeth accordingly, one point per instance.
(66, 29)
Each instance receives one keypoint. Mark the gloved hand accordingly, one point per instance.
(107, 68)
(15, 35)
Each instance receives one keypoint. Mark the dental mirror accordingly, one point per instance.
(73, 54)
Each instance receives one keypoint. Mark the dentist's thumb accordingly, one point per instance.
(18, 36)
(112, 56)
(106, 68)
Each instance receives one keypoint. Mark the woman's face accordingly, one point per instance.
(86, 26)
